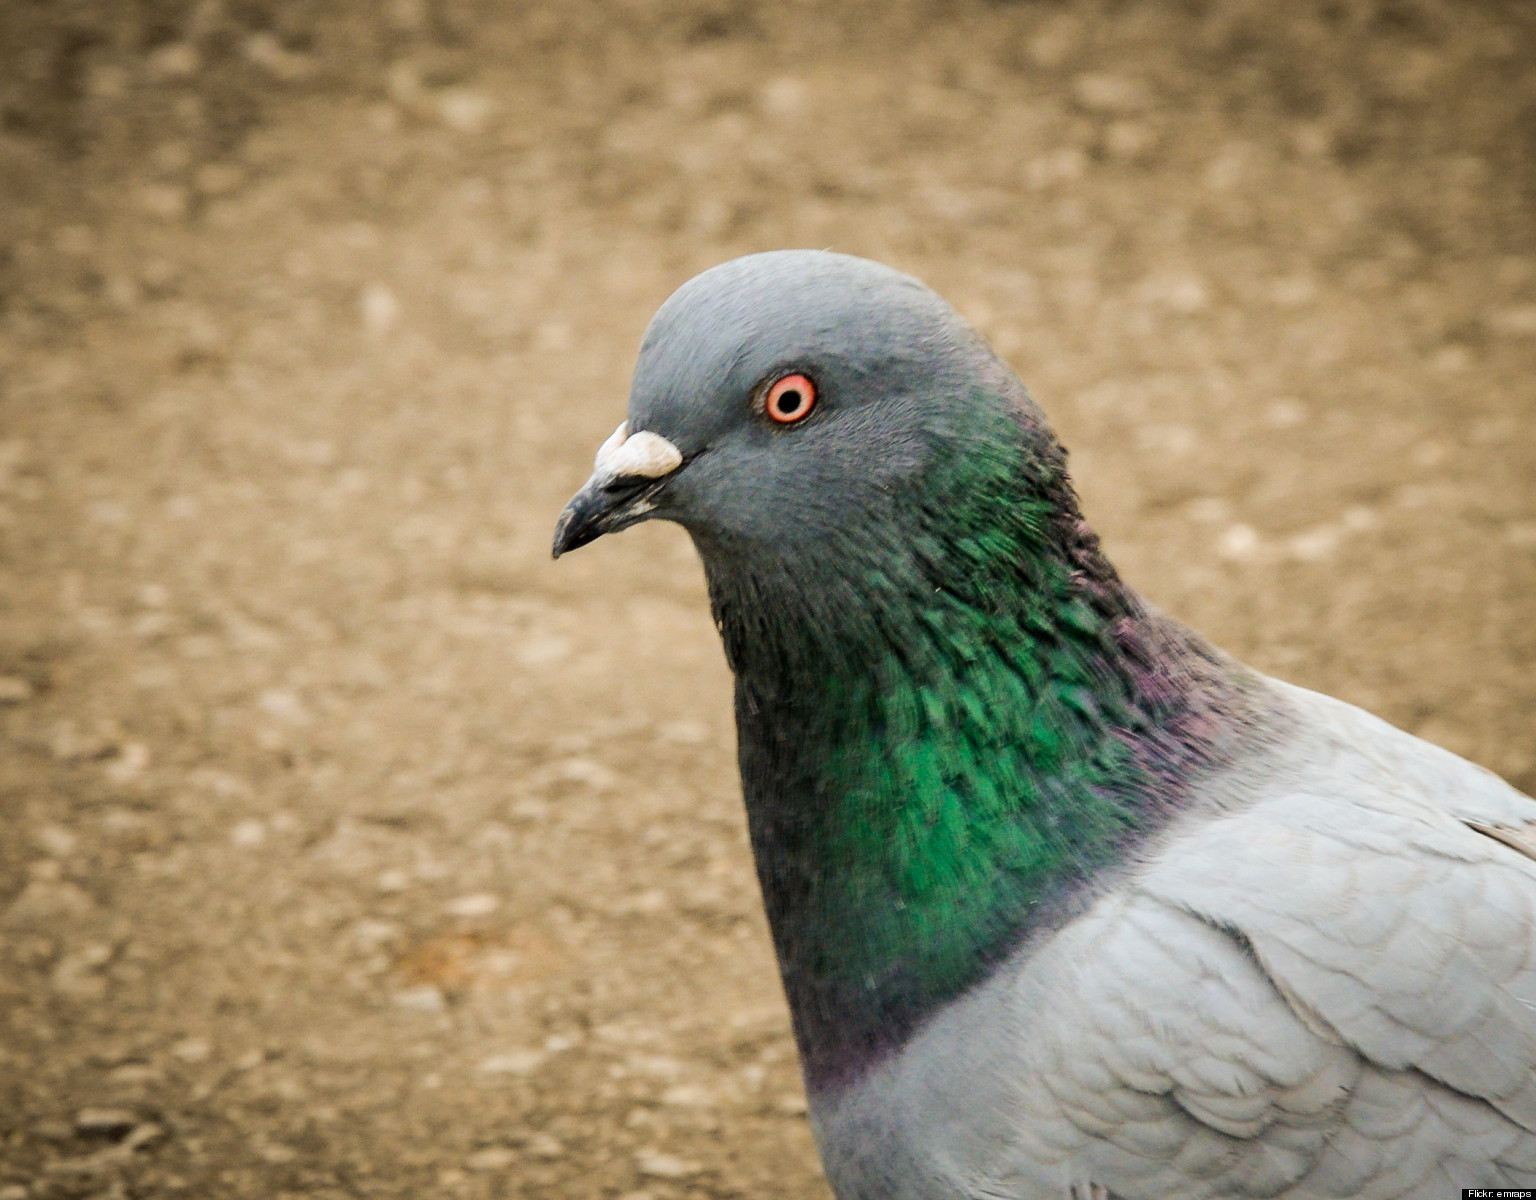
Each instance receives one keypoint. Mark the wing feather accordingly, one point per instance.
(1331, 988)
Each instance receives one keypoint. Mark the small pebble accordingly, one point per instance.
(379, 308)
(1208, 510)
(666, 1166)
(143, 1134)
(1129, 139)
(47, 901)
(478, 905)
(130, 1074)
(174, 61)
(249, 832)
(14, 689)
(1285, 414)
(105, 1122)
(192, 1049)
(1451, 358)
(684, 732)
(57, 841)
(1181, 291)
(1516, 322)
(1238, 543)
(465, 111)
(689, 1095)
(783, 96)
(1106, 93)
(267, 52)
(369, 934)
(585, 770)
(513, 1062)
(131, 760)
(1313, 545)
(424, 998)
(492, 1158)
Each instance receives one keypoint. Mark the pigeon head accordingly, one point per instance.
(782, 399)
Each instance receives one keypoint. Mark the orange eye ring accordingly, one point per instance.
(790, 399)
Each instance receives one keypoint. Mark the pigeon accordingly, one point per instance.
(1066, 902)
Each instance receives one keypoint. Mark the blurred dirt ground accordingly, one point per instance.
(350, 847)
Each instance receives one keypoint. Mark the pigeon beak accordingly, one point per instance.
(629, 471)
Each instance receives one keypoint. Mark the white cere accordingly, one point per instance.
(646, 454)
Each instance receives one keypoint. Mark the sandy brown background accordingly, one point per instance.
(348, 846)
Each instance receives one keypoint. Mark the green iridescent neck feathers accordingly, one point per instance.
(947, 729)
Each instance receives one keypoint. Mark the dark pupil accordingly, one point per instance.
(789, 401)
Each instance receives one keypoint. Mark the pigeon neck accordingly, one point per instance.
(945, 733)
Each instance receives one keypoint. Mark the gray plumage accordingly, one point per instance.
(1204, 934)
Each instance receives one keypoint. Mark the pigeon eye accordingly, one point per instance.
(790, 399)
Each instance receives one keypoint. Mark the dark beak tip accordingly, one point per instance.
(580, 523)
(566, 538)
(598, 509)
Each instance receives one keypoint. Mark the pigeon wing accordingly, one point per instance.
(1339, 981)
(1326, 991)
